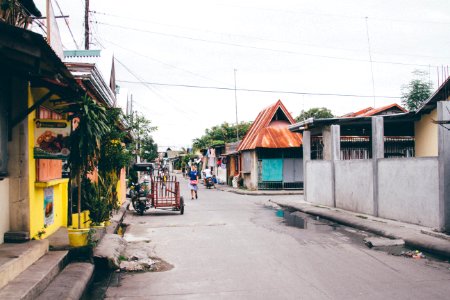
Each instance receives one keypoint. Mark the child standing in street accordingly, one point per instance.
(193, 182)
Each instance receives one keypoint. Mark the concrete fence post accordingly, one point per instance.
(377, 153)
(443, 109)
(335, 155)
(306, 142)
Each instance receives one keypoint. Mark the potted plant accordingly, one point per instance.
(89, 122)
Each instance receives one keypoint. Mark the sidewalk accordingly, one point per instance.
(415, 236)
(230, 189)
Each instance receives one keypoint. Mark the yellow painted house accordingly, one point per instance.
(33, 82)
(35, 85)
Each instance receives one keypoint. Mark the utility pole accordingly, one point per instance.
(235, 102)
(86, 25)
(47, 8)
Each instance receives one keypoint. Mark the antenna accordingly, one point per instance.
(371, 63)
(235, 102)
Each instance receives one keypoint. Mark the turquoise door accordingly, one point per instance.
(272, 169)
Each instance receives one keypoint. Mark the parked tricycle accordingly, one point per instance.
(159, 192)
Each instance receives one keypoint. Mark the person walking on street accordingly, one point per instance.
(193, 182)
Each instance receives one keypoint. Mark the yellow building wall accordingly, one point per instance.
(426, 135)
(60, 189)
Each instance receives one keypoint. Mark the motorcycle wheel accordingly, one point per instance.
(140, 208)
(133, 202)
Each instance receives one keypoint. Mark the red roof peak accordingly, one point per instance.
(272, 113)
(370, 111)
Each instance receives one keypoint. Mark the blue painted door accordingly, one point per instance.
(272, 169)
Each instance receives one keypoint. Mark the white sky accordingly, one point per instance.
(303, 46)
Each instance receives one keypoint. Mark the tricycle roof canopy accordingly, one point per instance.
(143, 166)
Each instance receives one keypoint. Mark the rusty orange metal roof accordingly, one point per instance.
(270, 130)
(370, 111)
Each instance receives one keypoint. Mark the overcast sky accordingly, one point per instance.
(313, 47)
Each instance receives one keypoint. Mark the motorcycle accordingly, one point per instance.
(138, 194)
(209, 182)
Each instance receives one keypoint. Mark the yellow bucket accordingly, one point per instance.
(78, 237)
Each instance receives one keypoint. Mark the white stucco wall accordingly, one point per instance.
(409, 190)
(319, 180)
(4, 208)
(354, 185)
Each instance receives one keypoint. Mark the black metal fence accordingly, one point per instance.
(360, 147)
(279, 185)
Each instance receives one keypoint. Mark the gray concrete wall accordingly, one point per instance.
(4, 208)
(250, 169)
(409, 190)
(354, 185)
(320, 182)
(19, 189)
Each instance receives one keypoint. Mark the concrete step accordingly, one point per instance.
(16, 258)
(70, 283)
(35, 279)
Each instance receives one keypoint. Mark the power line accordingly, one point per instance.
(67, 23)
(416, 21)
(260, 48)
(257, 90)
(175, 106)
(161, 62)
(265, 39)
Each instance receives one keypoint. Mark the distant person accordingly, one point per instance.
(207, 173)
(193, 182)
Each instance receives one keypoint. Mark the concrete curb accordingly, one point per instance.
(70, 283)
(117, 218)
(413, 238)
(259, 192)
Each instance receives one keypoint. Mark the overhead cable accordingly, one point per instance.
(257, 90)
(260, 48)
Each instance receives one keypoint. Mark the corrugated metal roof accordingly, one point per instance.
(268, 132)
(370, 111)
(103, 60)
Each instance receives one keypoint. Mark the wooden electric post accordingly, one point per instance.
(86, 25)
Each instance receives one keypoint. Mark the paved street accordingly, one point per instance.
(229, 246)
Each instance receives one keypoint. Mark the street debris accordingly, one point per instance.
(380, 242)
(416, 254)
(137, 265)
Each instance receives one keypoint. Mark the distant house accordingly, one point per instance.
(271, 155)
(411, 186)
(390, 109)
(355, 139)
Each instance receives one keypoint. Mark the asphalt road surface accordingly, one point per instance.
(229, 246)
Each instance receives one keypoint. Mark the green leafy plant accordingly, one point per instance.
(316, 113)
(84, 140)
(416, 91)
(40, 233)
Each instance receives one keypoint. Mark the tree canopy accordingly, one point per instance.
(221, 134)
(141, 127)
(416, 91)
(315, 112)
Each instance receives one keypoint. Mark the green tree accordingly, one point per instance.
(149, 149)
(416, 91)
(316, 113)
(141, 128)
(221, 134)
